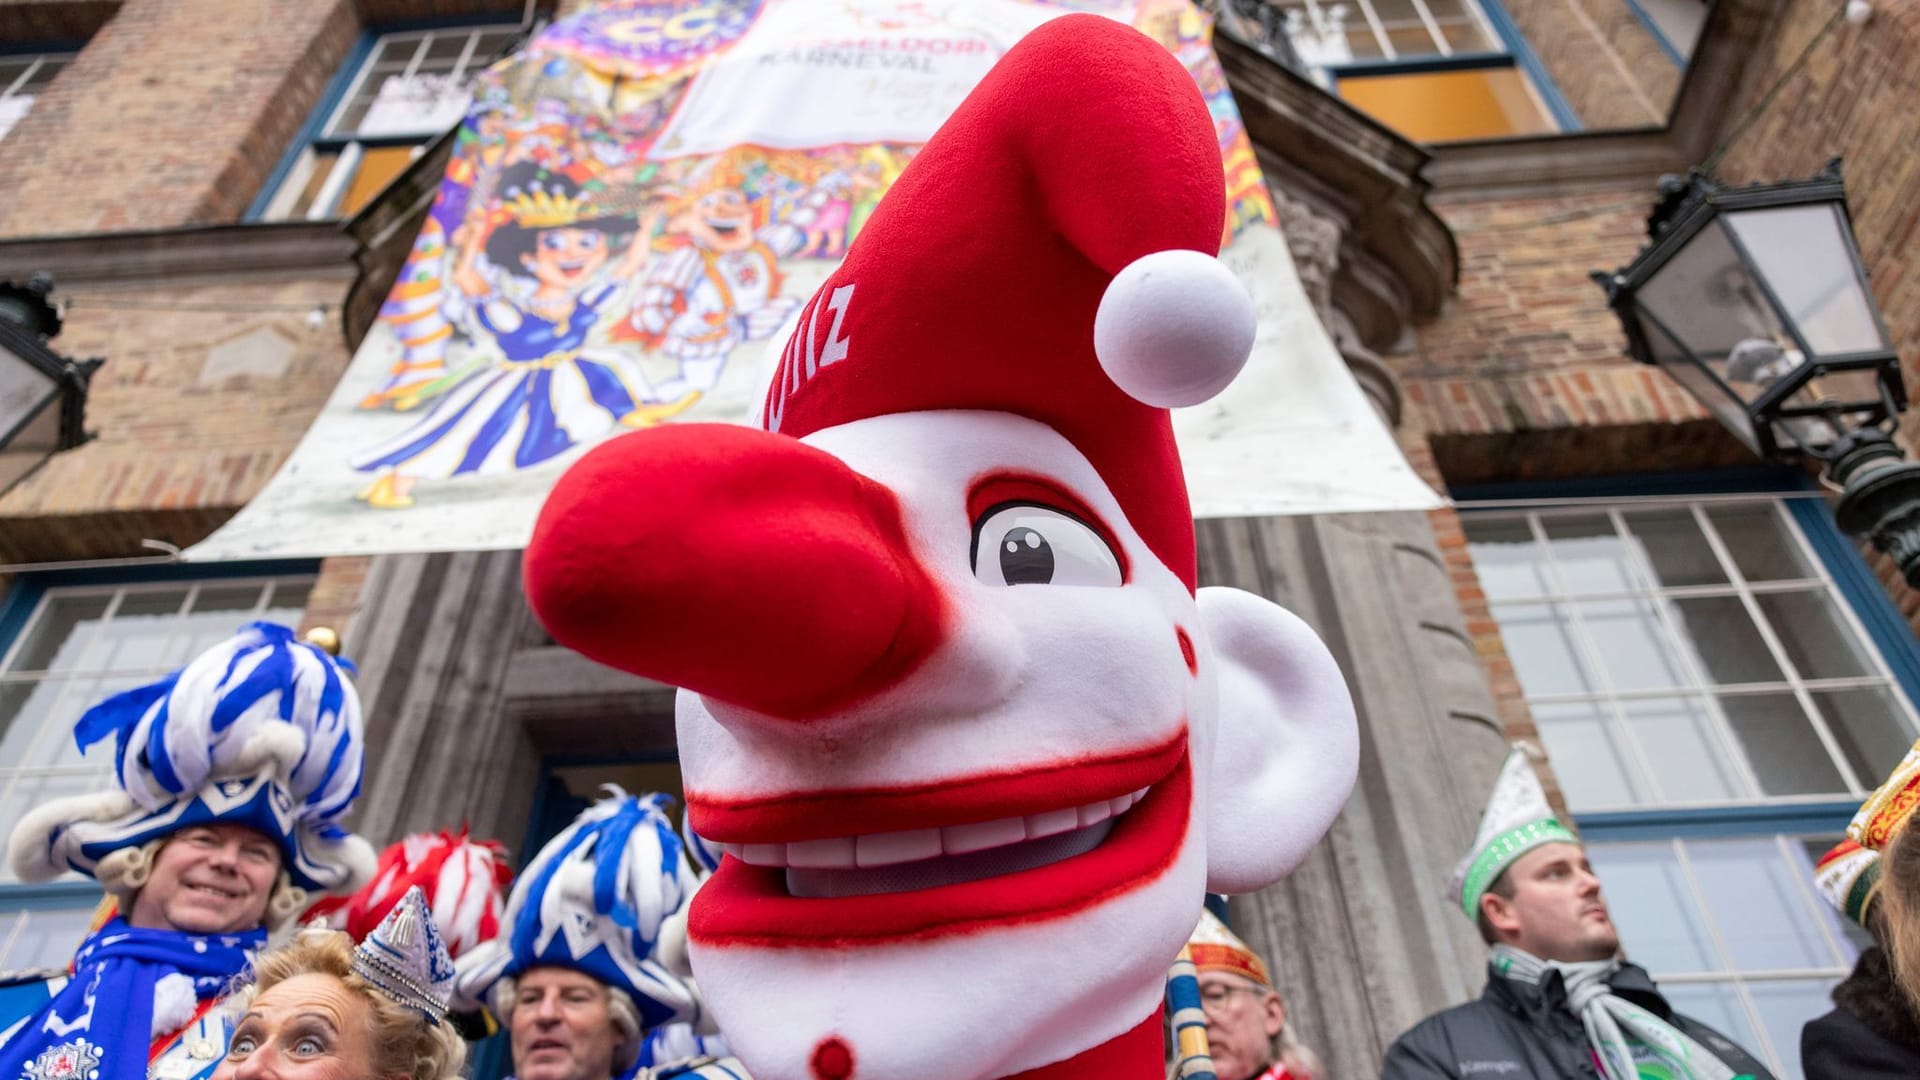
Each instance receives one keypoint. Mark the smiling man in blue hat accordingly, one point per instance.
(231, 778)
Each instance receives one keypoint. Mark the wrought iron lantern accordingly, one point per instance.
(43, 394)
(1755, 301)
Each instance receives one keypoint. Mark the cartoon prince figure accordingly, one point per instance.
(549, 276)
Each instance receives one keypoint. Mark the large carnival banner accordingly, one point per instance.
(640, 198)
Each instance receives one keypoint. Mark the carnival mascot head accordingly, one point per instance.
(971, 740)
(232, 778)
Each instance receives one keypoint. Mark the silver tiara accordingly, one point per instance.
(405, 960)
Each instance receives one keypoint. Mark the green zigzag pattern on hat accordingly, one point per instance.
(1500, 853)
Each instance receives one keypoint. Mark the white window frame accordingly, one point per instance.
(1319, 12)
(66, 709)
(12, 89)
(1608, 699)
(321, 138)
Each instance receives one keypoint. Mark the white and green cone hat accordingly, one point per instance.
(1518, 819)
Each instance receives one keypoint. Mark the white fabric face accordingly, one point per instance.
(1029, 678)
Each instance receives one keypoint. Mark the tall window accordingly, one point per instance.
(64, 647)
(402, 90)
(1689, 653)
(1714, 705)
(1433, 70)
(23, 76)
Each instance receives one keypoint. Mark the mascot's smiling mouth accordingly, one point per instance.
(936, 880)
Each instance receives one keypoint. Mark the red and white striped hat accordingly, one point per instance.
(465, 881)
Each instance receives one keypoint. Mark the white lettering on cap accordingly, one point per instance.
(799, 363)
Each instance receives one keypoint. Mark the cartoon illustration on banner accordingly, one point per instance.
(636, 202)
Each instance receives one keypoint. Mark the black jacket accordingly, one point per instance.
(1873, 1033)
(1519, 1032)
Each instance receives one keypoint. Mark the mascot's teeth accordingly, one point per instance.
(888, 849)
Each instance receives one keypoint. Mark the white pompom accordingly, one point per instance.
(1174, 328)
(174, 1003)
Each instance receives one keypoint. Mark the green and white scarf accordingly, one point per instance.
(1613, 1023)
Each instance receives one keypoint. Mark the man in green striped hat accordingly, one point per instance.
(1559, 1002)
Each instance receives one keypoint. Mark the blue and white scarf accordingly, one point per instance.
(100, 1026)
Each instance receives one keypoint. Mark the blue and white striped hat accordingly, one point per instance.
(262, 730)
(596, 899)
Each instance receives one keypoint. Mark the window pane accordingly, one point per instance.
(1361, 41)
(289, 596)
(1465, 36)
(1507, 559)
(1758, 539)
(443, 51)
(1688, 759)
(26, 709)
(1442, 106)
(1593, 772)
(1542, 652)
(1718, 1006)
(1870, 727)
(1818, 641)
(378, 167)
(1785, 1006)
(1725, 641)
(23, 793)
(43, 74)
(1634, 648)
(1660, 925)
(1591, 557)
(1673, 544)
(218, 611)
(319, 167)
(1786, 755)
(1763, 913)
(1411, 39)
(59, 633)
(46, 936)
(141, 630)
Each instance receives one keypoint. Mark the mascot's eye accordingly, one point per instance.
(1033, 545)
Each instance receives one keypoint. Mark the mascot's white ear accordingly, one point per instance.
(1286, 748)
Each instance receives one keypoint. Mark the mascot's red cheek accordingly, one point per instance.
(740, 565)
(1186, 650)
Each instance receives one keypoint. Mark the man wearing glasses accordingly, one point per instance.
(1247, 1031)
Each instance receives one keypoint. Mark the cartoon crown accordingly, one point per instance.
(543, 209)
(405, 960)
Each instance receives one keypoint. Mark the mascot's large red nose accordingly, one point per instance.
(739, 564)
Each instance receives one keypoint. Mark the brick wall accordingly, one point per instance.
(1525, 375)
(1851, 96)
(1603, 59)
(200, 401)
(173, 114)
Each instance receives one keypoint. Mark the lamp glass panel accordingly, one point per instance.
(23, 390)
(1852, 397)
(1708, 298)
(1695, 379)
(41, 435)
(1804, 255)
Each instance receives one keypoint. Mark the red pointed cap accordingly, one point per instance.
(978, 282)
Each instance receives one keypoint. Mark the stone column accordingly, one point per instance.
(1360, 938)
(434, 638)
